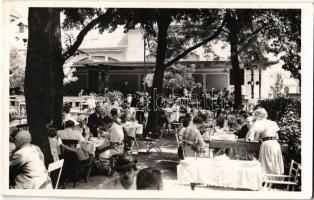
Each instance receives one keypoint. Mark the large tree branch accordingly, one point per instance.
(187, 51)
(249, 39)
(253, 34)
(80, 37)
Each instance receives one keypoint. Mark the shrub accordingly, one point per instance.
(277, 107)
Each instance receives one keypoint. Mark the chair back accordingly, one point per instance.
(294, 171)
(54, 166)
(126, 141)
(70, 143)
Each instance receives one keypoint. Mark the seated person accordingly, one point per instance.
(95, 120)
(185, 123)
(193, 137)
(67, 115)
(115, 136)
(245, 128)
(194, 112)
(69, 132)
(115, 116)
(149, 179)
(220, 133)
(82, 127)
(12, 146)
(219, 128)
(28, 165)
(126, 167)
(55, 143)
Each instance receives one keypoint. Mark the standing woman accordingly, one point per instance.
(270, 154)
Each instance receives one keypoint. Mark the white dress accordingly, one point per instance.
(270, 154)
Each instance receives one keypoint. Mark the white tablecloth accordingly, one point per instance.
(94, 142)
(133, 129)
(223, 173)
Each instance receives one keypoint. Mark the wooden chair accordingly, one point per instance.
(290, 180)
(153, 143)
(70, 143)
(73, 165)
(54, 166)
(129, 140)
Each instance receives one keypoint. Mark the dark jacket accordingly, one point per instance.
(242, 132)
(94, 122)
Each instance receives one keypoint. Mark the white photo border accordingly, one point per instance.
(306, 97)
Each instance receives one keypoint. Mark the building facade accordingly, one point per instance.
(123, 66)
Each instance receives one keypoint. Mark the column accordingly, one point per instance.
(106, 83)
(139, 82)
(204, 81)
(99, 81)
(252, 82)
(260, 81)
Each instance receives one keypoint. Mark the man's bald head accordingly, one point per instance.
(22, 137)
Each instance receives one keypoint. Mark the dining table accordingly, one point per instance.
(93, 143)
(133, 128)
(239, 174)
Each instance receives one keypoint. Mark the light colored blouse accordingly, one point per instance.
(263, 128)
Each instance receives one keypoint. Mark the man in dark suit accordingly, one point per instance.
(95, 120)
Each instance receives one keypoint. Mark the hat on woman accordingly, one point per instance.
(125, 161)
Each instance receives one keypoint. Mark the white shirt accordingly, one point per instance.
(116, 133)
(55, 143)
(192, 134)
(70, 134)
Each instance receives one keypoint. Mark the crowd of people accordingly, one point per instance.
(106, 121)
(101, 123)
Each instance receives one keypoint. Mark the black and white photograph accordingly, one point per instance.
(199, 100)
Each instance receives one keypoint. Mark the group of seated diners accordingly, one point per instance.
(250, 128)
(80, 129)
(27, 163)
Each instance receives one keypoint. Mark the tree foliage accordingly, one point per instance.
(285, 38)
(177, 76)
(17, 69)
(68, 71)
(278, 87)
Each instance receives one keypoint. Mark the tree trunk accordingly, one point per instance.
(44, 75)
(163, 23)
(233, 39)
